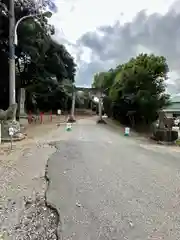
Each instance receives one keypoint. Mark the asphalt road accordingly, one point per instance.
(107, 186)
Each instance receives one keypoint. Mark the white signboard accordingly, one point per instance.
(59, 111)
(11, 131)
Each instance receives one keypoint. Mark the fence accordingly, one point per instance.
(45, 118)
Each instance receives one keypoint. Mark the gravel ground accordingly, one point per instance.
(36, 220)
(24, 212)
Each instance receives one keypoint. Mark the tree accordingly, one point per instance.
(138, 88)
(41, 64)
(104, 81)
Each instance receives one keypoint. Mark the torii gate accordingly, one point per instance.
(92, 92)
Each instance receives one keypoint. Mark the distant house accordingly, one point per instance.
(173, 110)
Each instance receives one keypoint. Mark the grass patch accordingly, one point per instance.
(178, 142)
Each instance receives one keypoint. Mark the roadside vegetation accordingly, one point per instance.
(44, 67)
(136, 90)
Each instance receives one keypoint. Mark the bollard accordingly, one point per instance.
(41, 117)
(30, 117)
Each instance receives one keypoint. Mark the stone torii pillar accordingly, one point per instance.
(100, 104)
(71, 118)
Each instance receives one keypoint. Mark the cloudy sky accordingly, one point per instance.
(101, 34)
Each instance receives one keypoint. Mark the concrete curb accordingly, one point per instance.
(115, 125)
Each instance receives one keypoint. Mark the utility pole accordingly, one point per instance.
(73, 103)
(100, 106)
(71, 118)
(12, 74)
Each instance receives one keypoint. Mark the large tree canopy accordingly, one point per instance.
(135, 88)
(42, 65)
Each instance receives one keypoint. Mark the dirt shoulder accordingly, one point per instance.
(23, 209)
(33, 132)
(143, 139)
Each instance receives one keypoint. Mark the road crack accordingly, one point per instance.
(49, 204)
(34, 217)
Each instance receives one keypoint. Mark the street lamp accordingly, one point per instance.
(13, 40)
(96, 99)
(12, 85)
(46, 14)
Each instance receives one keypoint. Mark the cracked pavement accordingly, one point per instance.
(98, 184)
(107, 186)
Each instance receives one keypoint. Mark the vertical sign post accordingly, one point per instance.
(11, 133)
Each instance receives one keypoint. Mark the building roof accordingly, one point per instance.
(176, 110)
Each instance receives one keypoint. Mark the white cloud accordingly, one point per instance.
(76, 17)
(173, 75)
(86, 54)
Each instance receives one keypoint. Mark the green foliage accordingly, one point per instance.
(42, 65)
(135, 88)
